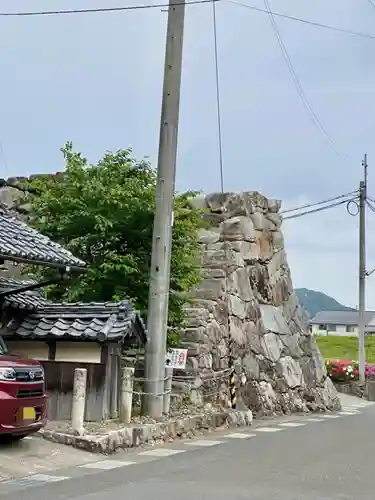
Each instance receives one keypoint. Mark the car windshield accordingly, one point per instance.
(3, 347)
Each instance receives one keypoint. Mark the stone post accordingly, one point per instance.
(79, 400)
(126, 394)
(167, 389)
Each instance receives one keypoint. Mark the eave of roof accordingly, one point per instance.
(349, 318)
(94, 321)
(21, 243)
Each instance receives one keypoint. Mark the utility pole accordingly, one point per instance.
(362, 272)
(162, 233)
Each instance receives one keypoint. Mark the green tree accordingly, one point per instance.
(103, 213)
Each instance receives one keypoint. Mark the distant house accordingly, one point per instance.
(343, 323)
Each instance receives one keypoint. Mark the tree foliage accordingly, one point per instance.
(103, 213)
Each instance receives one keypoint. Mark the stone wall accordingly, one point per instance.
(246, 307)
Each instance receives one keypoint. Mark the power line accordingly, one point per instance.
(96, 10)
(295, 216)
(192, 2)
(371, 3)
(297, 83)
(304, 21)
(371, 207)
(218, 107)
(323, 202)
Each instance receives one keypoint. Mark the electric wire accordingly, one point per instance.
(221, 172)
(311, 205)
(313, 116)
(371, 3)
(192, 2)
(97, 10)
(218, 107)
(304, 21)
(332, 205)
(371, 207)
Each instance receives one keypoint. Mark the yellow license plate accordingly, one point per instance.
(29, 414)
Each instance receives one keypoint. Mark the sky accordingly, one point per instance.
(96, 80)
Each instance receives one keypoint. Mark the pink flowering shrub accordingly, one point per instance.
(347, 371)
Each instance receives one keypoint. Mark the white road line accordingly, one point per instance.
(106, 465)
(161, 452)
(43, 478)
(347, 412)
(204, 443)
(292, 424)
(314, 419)
(331, 416)
(239, 435)
(268, 429)
(27, 438)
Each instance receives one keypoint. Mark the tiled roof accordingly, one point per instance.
(19, 242)
(93, 321)
(23, 300)
(340, 317)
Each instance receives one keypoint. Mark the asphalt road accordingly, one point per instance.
(328, 459)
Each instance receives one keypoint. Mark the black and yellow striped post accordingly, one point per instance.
(233, 398)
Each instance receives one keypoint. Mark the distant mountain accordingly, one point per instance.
(314, 302)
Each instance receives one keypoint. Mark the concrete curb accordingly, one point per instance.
(141, 434)
(364, 391)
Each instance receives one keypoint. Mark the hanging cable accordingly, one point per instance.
(332, 205)
(370, 205)
(192, 2)
(97, 10)
(218, 107)
(305, 101)
(371, 3)
(304, 21)
(232, 382)
(301, 207)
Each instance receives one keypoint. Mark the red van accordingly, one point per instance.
(23, 401)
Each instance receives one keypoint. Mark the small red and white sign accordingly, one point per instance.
(176, 358)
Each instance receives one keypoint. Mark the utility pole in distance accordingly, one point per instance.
(362, 273)
(162, 234)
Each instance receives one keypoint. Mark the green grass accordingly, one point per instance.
(335, 347)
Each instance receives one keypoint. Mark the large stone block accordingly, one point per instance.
(291, 371)
(209, 236)
(274, 221)
(210, 288)
(250, 252)
(222, 256)
(238, 228)
(274, 206)
(274, 320)
(271, 346)
(251, 366)
(237, 331)
(277, 240)
(239, 284)
(237, 307)
(196, 316)
(216, 332)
